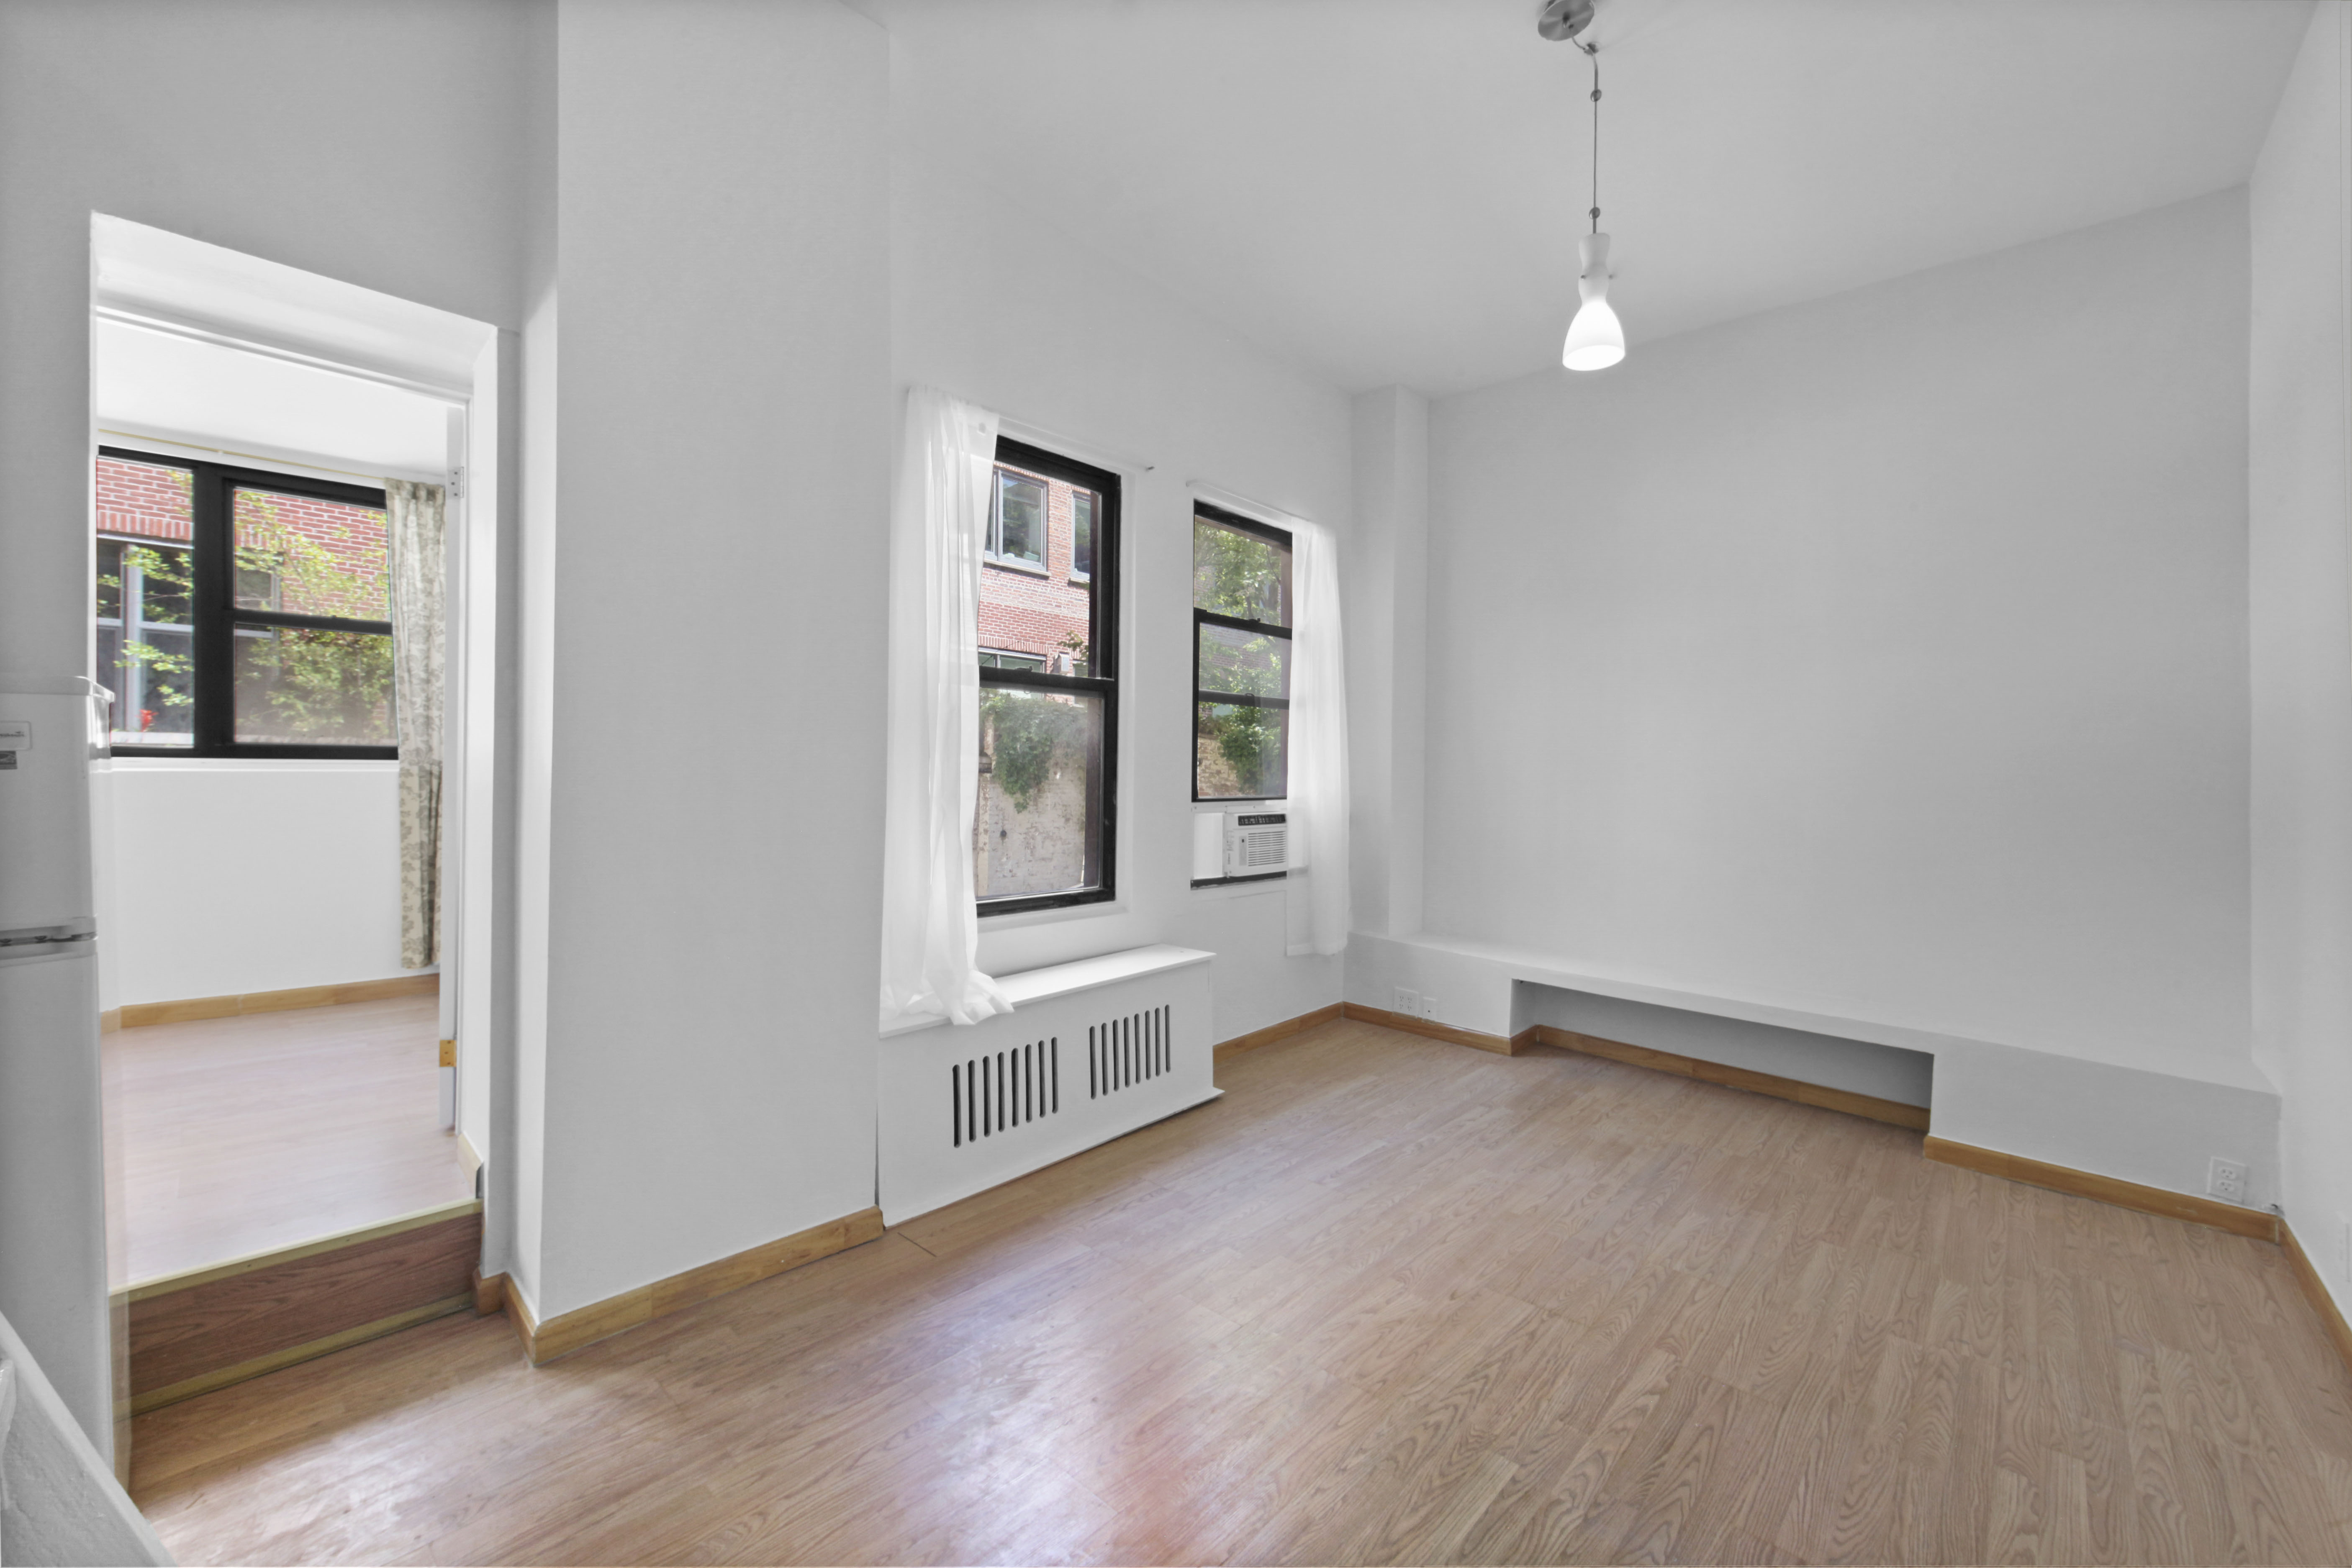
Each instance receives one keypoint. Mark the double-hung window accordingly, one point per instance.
(1241, 658)
(242, 614)
(1048, 649)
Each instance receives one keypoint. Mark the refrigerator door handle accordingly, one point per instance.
(80, 929)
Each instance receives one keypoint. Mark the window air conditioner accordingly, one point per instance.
(1257, 843)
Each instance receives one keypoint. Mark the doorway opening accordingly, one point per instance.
(291, 609)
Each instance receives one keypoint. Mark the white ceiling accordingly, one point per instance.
(1390, 191)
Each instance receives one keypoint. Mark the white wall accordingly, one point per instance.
(2301, 425)
(704, 1036)
(1004, 309)
(251, 875)
(1882, 657)
(1388, 659)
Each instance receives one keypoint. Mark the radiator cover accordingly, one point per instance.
(1091, 1050)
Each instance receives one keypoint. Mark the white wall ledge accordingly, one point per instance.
(1552, 970)
(1031, 986)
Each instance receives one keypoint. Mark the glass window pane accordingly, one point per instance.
(311, 557)
(298, 686)
(1251, 664)
(1241, 752)
(990, 659)
(1082, 532)
(146, 643)
(1238, 574)
(1047, 617)
(1018, 531)
(1038, 826)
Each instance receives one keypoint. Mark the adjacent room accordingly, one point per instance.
(1423, 780)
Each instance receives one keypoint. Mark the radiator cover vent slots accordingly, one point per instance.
(1009, 1089)
(1126, 1052)
(1143, 1019)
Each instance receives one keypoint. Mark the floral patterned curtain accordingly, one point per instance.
(415, 520)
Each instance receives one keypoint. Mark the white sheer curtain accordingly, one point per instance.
(938, 521)
(1319, 744)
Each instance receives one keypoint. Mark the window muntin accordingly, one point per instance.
(1241, 658)
(1042, 834)
(243, 613)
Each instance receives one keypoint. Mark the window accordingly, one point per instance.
(1016, 522)
(1048, 684)
(997, 658)
(242, 614)
(1241, 658)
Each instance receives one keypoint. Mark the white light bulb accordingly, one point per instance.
(1596, 339)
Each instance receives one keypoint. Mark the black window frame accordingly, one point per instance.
(215, 614)
(1102, 661)
(1201, 618)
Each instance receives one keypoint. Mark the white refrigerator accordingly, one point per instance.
(52, 1169)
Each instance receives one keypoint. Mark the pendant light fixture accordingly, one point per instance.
(1596, 339)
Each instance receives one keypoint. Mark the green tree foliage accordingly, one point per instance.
(1026, 732)
(315, 685)
(167, 591)
(318, 685)
(1237, 573)
(1240, 574)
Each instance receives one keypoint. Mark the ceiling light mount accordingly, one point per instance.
(1561, 20)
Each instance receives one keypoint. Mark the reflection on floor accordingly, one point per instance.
(1388, 1301)
(246, 1133)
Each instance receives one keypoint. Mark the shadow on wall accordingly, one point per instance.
(1858, 1067)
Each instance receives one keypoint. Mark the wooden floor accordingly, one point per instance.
(245, 1133)
(1388, 1301)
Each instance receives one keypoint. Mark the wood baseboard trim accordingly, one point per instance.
(490, 1293)
(1498, 1044)
(520, 1319)
(109, 1019)
(2259, 1224)
(584, 1326)
(2314, 1290)
(138, 1015)
(293, 1356)
(1893, 1112)
(1282, 1031)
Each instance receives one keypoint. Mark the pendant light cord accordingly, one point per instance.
(1592, 53)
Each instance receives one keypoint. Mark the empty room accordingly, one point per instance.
(1155, 781)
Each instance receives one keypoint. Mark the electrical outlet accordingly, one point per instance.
(2226, 1180)
(1407, 1003)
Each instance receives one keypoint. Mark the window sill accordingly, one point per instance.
(1025, 917)
(1014, 564)
(1239, 886)
(150, 764)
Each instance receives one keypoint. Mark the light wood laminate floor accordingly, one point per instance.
(1388, 1301)
(237, 1135)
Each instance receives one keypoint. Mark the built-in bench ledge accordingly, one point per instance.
(1031, 986)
